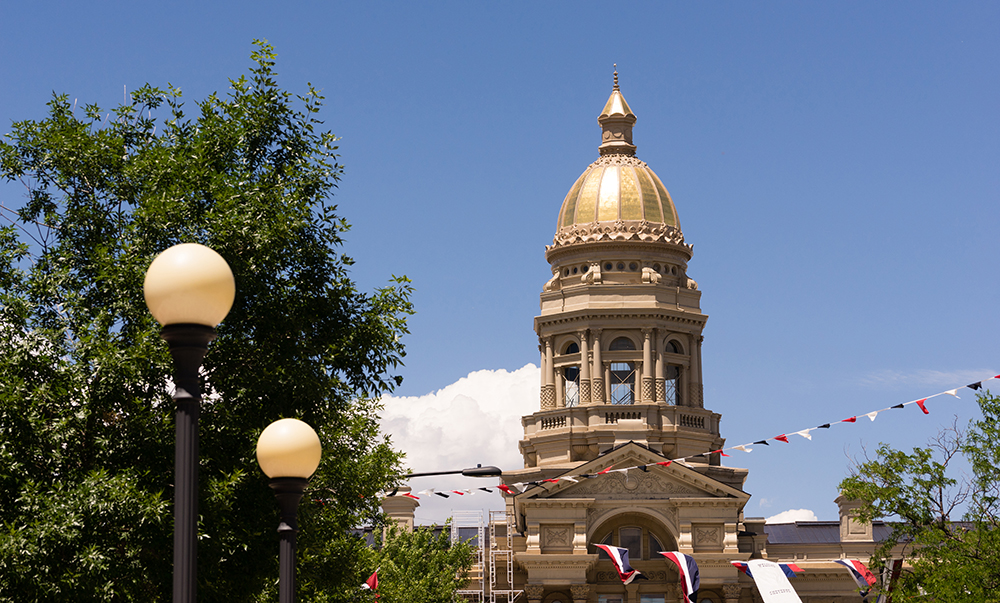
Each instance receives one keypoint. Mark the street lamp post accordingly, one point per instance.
(189, 289)
(288, 452)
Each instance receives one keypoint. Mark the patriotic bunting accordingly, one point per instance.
(805, 433)
(688, 570)
(619, 557)
(862, 576)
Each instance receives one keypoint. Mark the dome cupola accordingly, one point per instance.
(618, 197)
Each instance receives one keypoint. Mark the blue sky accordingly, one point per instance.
(836, 166)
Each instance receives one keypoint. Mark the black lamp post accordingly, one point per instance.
(189, 289)
(288, 452)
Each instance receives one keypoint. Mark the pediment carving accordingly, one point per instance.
(615, 486)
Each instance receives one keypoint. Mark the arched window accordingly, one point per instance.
(621, 343)
(572, 387)
(672, 375)
(571, 374)
(622, 383)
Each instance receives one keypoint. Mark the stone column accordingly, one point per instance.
(541, 373)
(647, 365)
(597, 391)
(584, 369)
(661, 387)
(560, 388)
(548, 377)
(607, 382)
(580, 592)
(732, 592)
(694, 394)
(534, 592)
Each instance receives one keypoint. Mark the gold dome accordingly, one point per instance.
(618, 197)
(617, 187)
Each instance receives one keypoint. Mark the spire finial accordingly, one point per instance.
(616, 76)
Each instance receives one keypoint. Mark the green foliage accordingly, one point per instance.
(86, 421)
(419, 566)
(952, 558)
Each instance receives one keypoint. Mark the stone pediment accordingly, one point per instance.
(657, 482)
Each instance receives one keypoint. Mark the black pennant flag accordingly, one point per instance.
(824, 426)
(764, 442)
(441, 494)
(975, 386)
(899, 406)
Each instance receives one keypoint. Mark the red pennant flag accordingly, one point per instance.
(408, 495)
(920, 403)
(781, 438)
(458, 492)
(554, 481)
(664, 463)
(371, 583)
(603, 472)
(851, 420)
(505, 488)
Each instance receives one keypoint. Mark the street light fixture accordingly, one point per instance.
(189, 289)
(477, 471)
(288, 452)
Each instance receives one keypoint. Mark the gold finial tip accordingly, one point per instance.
(616, 76)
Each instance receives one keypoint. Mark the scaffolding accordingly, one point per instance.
(462, 523)
(502, 556)
(495, 567)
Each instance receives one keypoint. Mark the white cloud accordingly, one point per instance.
(792, 515)
(475, 420)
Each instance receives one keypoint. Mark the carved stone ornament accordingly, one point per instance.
(534, 592)
(731, 591)
(626, 486)
(620, 230)
(557, 536)
(580, 592)
(707, 537)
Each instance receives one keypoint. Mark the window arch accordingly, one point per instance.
(622, 343)
(572, 348)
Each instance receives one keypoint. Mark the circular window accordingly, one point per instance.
(633, 266)
(608, 266)
(574, 270)
(621, 265)
(566, 272)
(656, 267)
(586, 269)
(673, 270)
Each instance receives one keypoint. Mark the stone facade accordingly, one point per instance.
(620, 337)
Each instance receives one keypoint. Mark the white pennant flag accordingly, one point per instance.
(872, 415)
(427, 492)
(570, 479)
(743, 447)
(805, 433)
(953, 392)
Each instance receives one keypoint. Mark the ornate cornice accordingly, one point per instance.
(619, 231)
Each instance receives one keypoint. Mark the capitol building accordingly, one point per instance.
(622, 449)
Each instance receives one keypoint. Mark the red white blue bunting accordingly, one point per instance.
(516, 488)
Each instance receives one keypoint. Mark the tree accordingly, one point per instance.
(422, 566)
(952, 558)
(86, 421)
